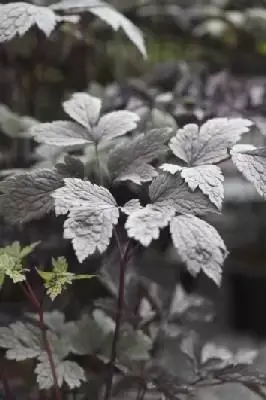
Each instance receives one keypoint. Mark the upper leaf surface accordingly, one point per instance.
(27, 196)
(61, 133)
(93, 212)
(199, 245)
(252, 164)
(144, 224)
(18, 18)
(84, 109)
(129, 160)
(173, 191)
(115, 124)
(209, 143)
(209, 179)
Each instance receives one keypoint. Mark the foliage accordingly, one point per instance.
(124, 168)
(11, 258)
(59, 278)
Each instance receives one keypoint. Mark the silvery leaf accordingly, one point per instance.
(208, 144)
(109, 15)
(83, 109)
(199, 246)
(18, 18)
(92, 213)
(251, 162)
(171, 190)
(61, 134)
(27, 196)
(130, 159)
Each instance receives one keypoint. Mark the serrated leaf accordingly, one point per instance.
(209, 143)
(115, 124)
(131, 206)
(71, 166)
(144, 224)
(109, 15)
(83, 109)
(92, 213)
(23, 341)
(11, 261)
(27, 196)
(61, 133)
(251, 162)
(129, 160)
(66, 371)
(57, 280)
(199, 246)
(172, 191)
(171, 168)
(209, 179)
(87, 127)
(18, 18)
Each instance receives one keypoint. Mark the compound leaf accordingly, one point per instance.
(199, 246)
(59, 278)
(209, 143)
(129, 160)
(87, 127)
(92, 213)
(109, 15)
(172, 191)
(27, 196)
(209, 179)
(251, 162)
(18, 18)
(11, 258)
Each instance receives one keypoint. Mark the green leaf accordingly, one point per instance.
(11, 261)
(59, 278)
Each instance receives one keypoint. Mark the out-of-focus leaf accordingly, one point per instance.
(109, 15)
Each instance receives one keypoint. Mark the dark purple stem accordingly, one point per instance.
(119, 313)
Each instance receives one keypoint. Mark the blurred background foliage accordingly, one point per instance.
(206, 58)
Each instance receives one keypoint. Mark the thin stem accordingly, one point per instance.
(98, 161)
(119, 313)
(37, 305)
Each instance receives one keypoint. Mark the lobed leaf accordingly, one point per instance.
(144, 224)
(208, 144)
(209, 179)
(109, 15)
(172, 191)
(27, 196)
(199, 246)
(66, 371)
(59, 278)
(115, 124)
(18, 18)
(251, 162)
(64, 134)
(92, 213)
(130, 159)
